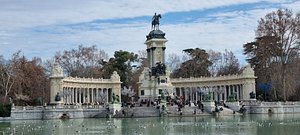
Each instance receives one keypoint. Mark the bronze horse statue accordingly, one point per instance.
(155, 21)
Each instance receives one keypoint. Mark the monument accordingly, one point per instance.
(154, 81)
(56, 80)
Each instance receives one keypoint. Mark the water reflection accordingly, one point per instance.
(276, 124)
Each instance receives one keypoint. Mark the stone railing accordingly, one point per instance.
(87, 80)
(27, 108)
(19, 108)
(290, 103)
(259, 103)
(218, 78)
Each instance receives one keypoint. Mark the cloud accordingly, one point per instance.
(43, 28)
(34, 12)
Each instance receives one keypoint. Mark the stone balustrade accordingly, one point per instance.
(20, 108)
(201, 78)
(87, 80)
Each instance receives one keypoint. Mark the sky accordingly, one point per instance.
(40, 28)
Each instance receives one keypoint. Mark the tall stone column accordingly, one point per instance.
(92, 95)
(73, 99)
(88, 95)
(80, 95)
(63, 95)
(97, 94)
(71, 95)
(153, 57)
(230, 90)
(68, 95)
(84, 95)
(241, 91)
(163, 55)
(238, 92)
(224, 92)
(106, 93)
(76, 94)
(56, 83)
(190, 94)
(180, 92)
(249, 82)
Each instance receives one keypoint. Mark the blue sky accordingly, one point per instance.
(41, 28)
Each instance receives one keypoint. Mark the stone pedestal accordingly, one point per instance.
(58, 104)
(114, 108)
(235, 106)
(163, 110)
(209, 106)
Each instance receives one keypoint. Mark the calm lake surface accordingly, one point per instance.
(276, 124)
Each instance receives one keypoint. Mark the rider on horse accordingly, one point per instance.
(155, 21)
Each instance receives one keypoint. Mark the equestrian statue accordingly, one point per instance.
(155, 21)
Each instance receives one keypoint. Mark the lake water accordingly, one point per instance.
(276, 124)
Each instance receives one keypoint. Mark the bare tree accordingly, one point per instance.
(282, 24)
(223, 63)
(173, 61)
(20, 78)
(83, 62)
(229, 64)
(276, 48)
(215, 57)
(7, 78)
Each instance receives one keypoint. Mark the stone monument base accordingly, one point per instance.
(115, 108)
(209, 106)
(235, 106)
(57, 104)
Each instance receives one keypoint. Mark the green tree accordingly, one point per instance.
(196, 66)
(122, 63)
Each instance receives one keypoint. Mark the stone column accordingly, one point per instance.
(102, 94)
(64, 95)
(180, 92)
(191, 93)
(241, 91)
(92, 95)
(80, 95)
(238, 92)
(149, 52)
(97, 95)
(224, 90)
(215, 89)
(230, 90)
(83, 95)
(88, 95)
(106, 93)
(75, 91)
(185, 93)
(196, 92)
(163, 54)
(68, 95)
(153, 57)
(73, 95)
